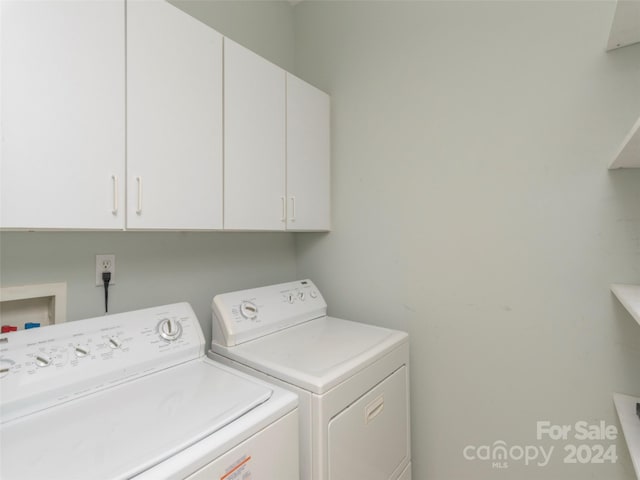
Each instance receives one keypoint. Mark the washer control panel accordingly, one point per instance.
(245, 315)
(45, 366)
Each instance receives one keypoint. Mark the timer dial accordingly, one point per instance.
(170, 329)
(249, 310)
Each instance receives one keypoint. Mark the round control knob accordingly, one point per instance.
(302, 296)
(43, 361)
(170, 329)
(313, 294)
(81, 351)
(113, 343)
(291, 298)
(5, 366)
(249, 310)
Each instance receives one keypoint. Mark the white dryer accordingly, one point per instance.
(352, 379)
(133, 395)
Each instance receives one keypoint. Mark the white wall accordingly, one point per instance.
(157, 268)
(472, 206)
(151, 268)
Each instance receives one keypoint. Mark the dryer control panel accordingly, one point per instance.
(45, 366)
(245, 315)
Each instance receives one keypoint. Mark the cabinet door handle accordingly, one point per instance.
(114, 179)
(284, 209)
(293, 209)
(139, 209)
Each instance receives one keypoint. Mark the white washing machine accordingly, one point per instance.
(352, 379)
(132, 395)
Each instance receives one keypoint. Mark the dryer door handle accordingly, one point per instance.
(374, 409)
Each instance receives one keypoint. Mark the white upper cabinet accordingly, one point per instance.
(254, 147)
(174, 119)
(308, 157)
(277, 148)
(628, 154)
(625, 26)
(62, 114)
(100, 134)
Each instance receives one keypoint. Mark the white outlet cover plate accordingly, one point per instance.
(111, 258)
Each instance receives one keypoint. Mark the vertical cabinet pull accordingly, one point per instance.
(293, 209)
(284, 209)
(114, 180)
(139, 209)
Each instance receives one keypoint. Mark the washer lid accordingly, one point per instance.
(127, 429)
(317, 355)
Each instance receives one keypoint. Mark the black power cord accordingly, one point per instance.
(106, 278)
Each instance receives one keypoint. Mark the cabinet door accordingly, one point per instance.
(254, 149)
(308, 156)
(174, 119)
(62, 119)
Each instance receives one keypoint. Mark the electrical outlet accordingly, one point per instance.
(105, 263)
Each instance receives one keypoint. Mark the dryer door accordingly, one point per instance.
(370, 439)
